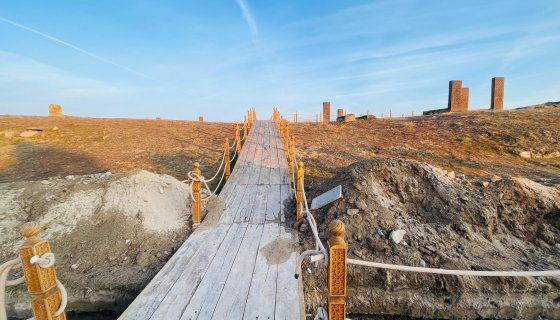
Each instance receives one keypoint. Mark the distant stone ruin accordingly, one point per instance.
(458, 100)
(326, 112)
(339, 113)
(55, 110)
(349, 117)
(497, 102)
(201, 119)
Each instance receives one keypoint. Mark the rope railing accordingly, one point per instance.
(478, 273)
(197, 182)
(37, 263)
(298, 188)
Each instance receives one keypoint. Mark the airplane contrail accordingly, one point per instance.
(71, 46)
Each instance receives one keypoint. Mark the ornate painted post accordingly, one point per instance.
(286, 138)
(337, 271)
(291, 161)
(299, 193)
(226, 159)
(254, 114)
(41, 281)
(197, 199)
(237, 139)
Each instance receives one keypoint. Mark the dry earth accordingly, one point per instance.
(477, 143)
(88, 145)
(110, 233)
(467, 200)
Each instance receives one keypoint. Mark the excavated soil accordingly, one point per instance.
(451, 221)
(110, 233)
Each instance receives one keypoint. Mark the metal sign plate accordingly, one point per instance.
(327, 197)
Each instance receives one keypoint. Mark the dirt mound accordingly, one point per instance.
(110, 232)
(499, 223)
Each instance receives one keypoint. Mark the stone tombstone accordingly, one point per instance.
(454, 101)
(326, 112)
(464, 99)
(201, 119)
(55, 110)
(339, 113)
(497, 102)
(350, 117)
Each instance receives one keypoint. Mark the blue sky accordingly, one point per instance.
(181, 59)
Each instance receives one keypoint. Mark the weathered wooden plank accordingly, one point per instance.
(258, 211)
(154, 293)
(261, 300)
(204, 300)
(232, 206)
(234, 295)
(244, 211)
(192, 273)
(288, 303)
(273, 207)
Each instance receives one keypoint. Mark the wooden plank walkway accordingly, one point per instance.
(239, 263)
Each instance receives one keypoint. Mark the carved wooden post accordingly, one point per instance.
(254, 114)
(299, 195)
(237, 139)
(337, 271)
(245, 127)
(286, 138)
(197, 199)
(226, 159)
(291, 161)
(41, 282)
(281, 128)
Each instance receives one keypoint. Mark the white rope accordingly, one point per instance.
(5, 269)
(548, 273)
(234, 155)
(47, 260)
(221, 164)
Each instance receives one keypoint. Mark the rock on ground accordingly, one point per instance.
(512, 224)
(110, 233)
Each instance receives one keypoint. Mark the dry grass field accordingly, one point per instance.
(76, 146)
(477, 143)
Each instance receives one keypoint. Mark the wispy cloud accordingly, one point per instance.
(71, 46)
(249, 19)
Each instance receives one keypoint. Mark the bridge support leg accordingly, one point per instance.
(196, 209)
(337, 271)
(41, 281)
(299, 195)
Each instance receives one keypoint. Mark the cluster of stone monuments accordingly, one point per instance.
(459, 97)
(458, 101)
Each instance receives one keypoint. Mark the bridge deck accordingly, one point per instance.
(239, 263)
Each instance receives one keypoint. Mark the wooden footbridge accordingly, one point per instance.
(239, 263)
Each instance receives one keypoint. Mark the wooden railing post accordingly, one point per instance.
(286, 138)
(237, 139)
(226, 159)
(299, 191)
(41, 282)
(245, 127)
(254, 114)
(337, 271)
(292, 149)
(197, 199)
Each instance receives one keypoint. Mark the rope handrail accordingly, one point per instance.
(319, 247)
(47, 260)
(479, 273)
